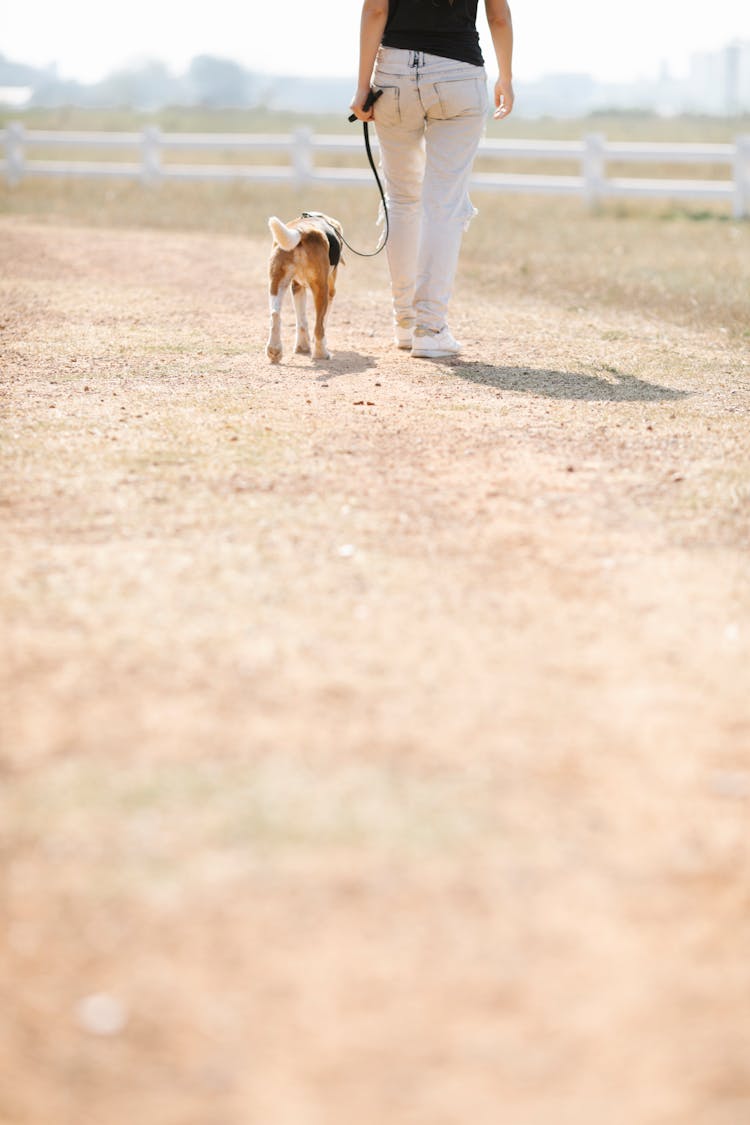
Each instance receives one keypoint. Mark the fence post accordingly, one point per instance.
(15, 163)
(302, 160)
(151, 155)
(741, 171)
(593, 168)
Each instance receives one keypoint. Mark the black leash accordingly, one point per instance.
(372, 97)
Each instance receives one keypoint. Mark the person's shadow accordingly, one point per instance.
(615, 386)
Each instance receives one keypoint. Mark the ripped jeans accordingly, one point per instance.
(429, 122)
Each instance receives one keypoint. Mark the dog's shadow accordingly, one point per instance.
(344, 363)
(615, 386)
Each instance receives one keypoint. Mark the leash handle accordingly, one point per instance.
(370, 100)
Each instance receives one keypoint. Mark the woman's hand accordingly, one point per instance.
(358, 102)
(501, 29)
(504, 98)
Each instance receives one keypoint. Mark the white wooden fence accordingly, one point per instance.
(150, 162)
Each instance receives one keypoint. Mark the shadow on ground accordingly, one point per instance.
(614, 386)
(344, 363)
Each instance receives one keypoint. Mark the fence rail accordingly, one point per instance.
(151, 148)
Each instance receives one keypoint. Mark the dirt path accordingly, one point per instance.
(375, 732)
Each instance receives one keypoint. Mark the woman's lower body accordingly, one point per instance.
(429, 122)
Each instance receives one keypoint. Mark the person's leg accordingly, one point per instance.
(399, 124)
(456, 111)
(403, 163)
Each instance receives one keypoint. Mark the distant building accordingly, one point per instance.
(719, 81)
(743, 76)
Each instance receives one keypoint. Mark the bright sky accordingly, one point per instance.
(611, 41)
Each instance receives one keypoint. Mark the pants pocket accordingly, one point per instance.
(387, 109)
(461, 97)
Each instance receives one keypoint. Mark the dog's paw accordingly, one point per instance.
(303, 344)
(321, 351)
(273, 353)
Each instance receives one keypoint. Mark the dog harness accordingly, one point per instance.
(334, 240)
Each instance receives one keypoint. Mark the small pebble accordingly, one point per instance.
(731, 784)
(101, 1014)
(731, 633)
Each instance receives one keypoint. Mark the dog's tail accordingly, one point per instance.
(286, 237)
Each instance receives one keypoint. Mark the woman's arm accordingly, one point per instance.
(372, 26)
(501, 29)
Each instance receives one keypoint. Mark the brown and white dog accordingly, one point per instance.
(306, 254)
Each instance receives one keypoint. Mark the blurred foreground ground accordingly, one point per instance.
(375, 733)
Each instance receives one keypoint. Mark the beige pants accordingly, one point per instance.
(429, 121)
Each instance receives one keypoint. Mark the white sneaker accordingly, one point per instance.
(429, 344)
(403, 335)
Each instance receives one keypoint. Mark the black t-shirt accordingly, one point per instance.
(438, 27)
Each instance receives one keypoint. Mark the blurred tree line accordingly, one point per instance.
(209, 81)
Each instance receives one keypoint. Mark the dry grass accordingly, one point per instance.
(699, 274)
(374, 733)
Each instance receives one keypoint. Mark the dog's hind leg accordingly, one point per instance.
(320, 296)
(300, 309)
(278, 285)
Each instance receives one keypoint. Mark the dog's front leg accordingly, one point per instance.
(277, 288)
(300, 310)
